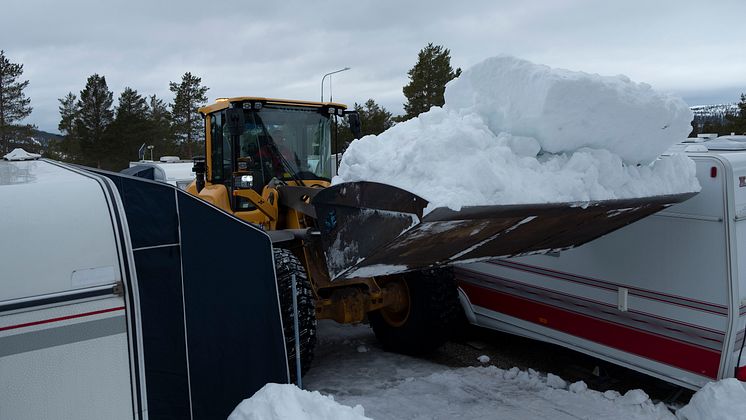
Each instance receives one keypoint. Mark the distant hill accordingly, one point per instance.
(37, 142)
(43, 138)
(713, 113)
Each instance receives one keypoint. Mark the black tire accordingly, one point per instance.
(287, 264)
(433, 313)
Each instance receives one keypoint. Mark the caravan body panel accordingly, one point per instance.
(63, 338)
(112, 305)
(662, 296)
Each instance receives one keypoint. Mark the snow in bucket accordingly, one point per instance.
(513, 132)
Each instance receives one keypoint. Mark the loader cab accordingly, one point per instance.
(252, 141)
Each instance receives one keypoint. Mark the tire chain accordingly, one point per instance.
(287, 264)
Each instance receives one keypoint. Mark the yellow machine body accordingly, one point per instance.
(345, 301)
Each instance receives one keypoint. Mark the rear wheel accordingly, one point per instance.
(425, 319)
(287, 264)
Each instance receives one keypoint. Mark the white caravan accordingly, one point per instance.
(665, 296)
(168, 169)
(63, 326)
(112, 307)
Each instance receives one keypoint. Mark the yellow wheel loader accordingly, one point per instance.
(367, 250)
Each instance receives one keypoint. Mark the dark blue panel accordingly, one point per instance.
(233, 326)
(164, 344)
(150, 209)
(236, 344)
(147, 172)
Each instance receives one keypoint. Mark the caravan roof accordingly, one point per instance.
(171, 171)
(57, 226)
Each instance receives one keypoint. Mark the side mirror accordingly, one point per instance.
(354, 119)
(199, 169)
(235, 121)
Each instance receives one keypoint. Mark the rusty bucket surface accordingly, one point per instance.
(372, 229)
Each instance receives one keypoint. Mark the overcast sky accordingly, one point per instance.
(696, 49)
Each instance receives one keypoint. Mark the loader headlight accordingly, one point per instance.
(244, 181)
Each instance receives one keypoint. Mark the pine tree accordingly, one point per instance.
(160, 131)
(68, 149)
(710, 127)
(427, 80)
(68, 113)
(128, 130)
(131, 105)
(737, 123)
(374, 119)
(94, 116)
(189, 95)
(158, 110)
(14, 105)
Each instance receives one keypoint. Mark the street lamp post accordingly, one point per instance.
(330, 82)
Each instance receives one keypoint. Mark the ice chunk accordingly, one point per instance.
(634, 397)
(578, 387)
(554, 381)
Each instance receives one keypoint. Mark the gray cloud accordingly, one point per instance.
(282, 49)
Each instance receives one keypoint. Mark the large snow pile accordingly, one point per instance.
(566, 110)
(722, 400)
(515, 132)
(288, 402)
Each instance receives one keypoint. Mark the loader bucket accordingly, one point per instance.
(370, 229)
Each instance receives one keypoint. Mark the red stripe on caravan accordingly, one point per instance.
(62, 318)
(499, 280)
(685, 356)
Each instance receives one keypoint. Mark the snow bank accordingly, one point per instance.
(513, 132)
(288, 402)
(722, 400)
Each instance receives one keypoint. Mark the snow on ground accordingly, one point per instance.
(392, 386)
(722, 400)
(353, 379)
(288, 402)
(515, 132)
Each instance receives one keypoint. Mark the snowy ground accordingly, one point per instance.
(352, 379)
(350, 367)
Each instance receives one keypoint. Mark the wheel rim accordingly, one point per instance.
(397, 313)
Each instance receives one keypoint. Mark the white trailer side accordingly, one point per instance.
(663, 296)
(118, 299)
(63, 337)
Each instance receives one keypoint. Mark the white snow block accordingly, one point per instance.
(567, 110)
